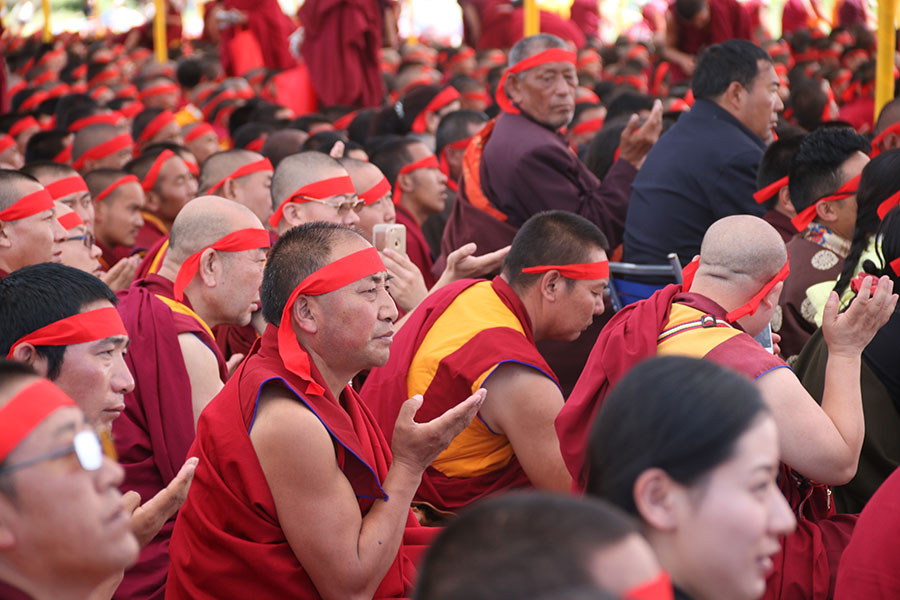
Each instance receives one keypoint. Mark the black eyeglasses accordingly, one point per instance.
(87, 239)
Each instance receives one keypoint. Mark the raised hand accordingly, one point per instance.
(848, 333)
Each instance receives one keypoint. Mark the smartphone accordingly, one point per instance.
(391, 236)
(764, 338)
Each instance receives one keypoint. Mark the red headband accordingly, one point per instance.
(79, 328)
(115, 185)
(589, 126)
(659, 77)
(237, 241)
(129, 91)
(198, 131)
(594, 270)
(120, 142)
(329, 278)
(588, 96)
(445, 164)
(806, 216)
(750, 307)
(65, 186)
(214, 102)
(65, 156)
(895, 266)
(257, 144)
(47, 57)
(344, 122)
(429, 162)
(376, 192)
(153, 174)
(70, 220)
(130, 110)
(158, 90)
(155, 124)
(6, 142)
(477, 96)
(885, 207)
(97, 92)
(104, 75)
(895, 128)
(770, 190)
(26, 410)
(541, 58)
(319, 190)
(249, 168)
(440, 100)
(27, 206)
(23, 124)
(589, 58)
(104, 119)
(462, 55)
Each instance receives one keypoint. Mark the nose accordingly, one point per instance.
(781, 518)
(121, 382)
(599, 307)
(779, 105)
(59, 233)
(96, 252)
(351, 219)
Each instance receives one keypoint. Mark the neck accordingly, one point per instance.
(672, 559)
(335, 379)
(417, 212)
(192, 293)
(717, 293)
(48, 587)
(531, 300)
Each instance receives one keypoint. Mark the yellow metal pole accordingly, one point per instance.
(887, 43)
(48, 35)
(532, 18)
(411, 38)
(159, 32)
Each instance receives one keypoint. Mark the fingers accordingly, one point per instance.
(458, 418)
(131, 501)
(234, 361)
(829, 313)
(337, 151)
(409, 409)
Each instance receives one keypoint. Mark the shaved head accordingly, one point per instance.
(202, 222)
(91, 136)
(741, 252)
(889, 115)
(281, 144)
(364, 174)
(298, 170)
(222, 164)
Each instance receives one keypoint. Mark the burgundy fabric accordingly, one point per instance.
(416, 245)
(148, 235)
(154, 433)
(144, 268)
(503, 26)
(228, 542)
(235, 339)
(728, 19)
(270, 26)
(343, 37)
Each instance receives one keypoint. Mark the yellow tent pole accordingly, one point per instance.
(532, 18)
(159, 32)
(48, 35)
(887, 43)
(411, 38)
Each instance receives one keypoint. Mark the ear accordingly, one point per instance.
(229, 189)
(27, 353)
(656, 497)
(5, 241)
(152, 201)
(292, 214)
(210, 268)
(734, 96)
(303, 315)
(550, 285)
(825, 212)
(770, 301)
(784, 202)
(890, 142)
(431, 121)
(514, 88)
(405, 181)
(7, 535)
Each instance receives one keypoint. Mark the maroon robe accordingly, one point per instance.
(728, 19)
(228, 542)
(270, 26)
(343, 37)
(781, 223)
(150, 257)
(416, 246)
(386, 388)
(147, 235)
(154, 433)
(503, 26)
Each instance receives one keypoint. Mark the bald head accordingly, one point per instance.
(202, 222)
(741, 253)
(889, 115)
(302, 169)
(222, 164)
(364, 174)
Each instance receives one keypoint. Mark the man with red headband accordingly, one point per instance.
(730, 294)
(312, 186)
(243, 176)
(824, 177)
(118, 201)
(52, 467)
(772, 184)
(29, 233)
(473, 334)
(887, 128)
(288, 436)
(521, 165)
(210, 276)
(101, 147)
(64, 185)
(155, 125)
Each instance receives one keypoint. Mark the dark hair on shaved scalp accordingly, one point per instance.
(35, 296)
(140, 166)
(776, 163)
(553, 237)
(481, 554)
(324, 141)
(46, 167)
(532, 45)
(628, 103)
(251, 131)
(10, 186)
(392, 156)
(682, 415)
(455, 126)
(79, 111)
(601, 152)
(189, 72)
(808, 101)
(719, 65)
(815, 168)
(142, 119)
(299, 252)
(45, 145)
(688, 9)
(100, 179)
(306, 122)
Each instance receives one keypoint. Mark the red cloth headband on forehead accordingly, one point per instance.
(462, 55)
(319, 190)
(806, 216)
(6, 142)
(129, 91)
(155, 124)
(26, 410)
(429, 162)
(440, 100)
(750, 307)
(100, 151)
(23, 124)
(27, 206)
(344, 122)
(770, 190)
(104, 75)
(99, 91)
(541, 58)
(376, 192)
(589, 126)
(237, 241)
(249, 168)
(885, 207)
(65, 156)
(116, 185)
(158, 90)
(594, 270)
(329, 278)
(70, 220)
(895, 128)
(105, 119)
(198, 131)
(84, 327)
(153, 174)
(257, 144)
(130, 110)
(65, 186)
(589, 58)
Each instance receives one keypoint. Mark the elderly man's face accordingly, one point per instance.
(546, 92)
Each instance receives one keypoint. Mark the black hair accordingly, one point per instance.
(397, 118)
(323, 141)
(553, 237)
(392, 156)
(251, 131)
(808, 102)
(815, 168)
(38, 295)
(305, 122)
(682, 415)
(360, 127)
(627, 103)
(45, 145)
(455, 126)
(189, 72)
(719, 65)
(601, 152)
(776, 163)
